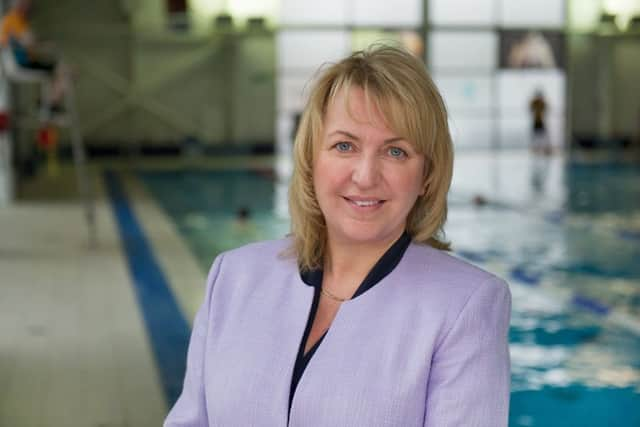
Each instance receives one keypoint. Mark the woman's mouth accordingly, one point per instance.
(362, 202)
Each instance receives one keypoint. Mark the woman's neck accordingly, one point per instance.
(347, 265)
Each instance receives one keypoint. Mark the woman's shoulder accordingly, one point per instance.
(445, 273)
(444, 285)
(255, 254)
(261, 246)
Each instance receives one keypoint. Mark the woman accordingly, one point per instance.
(358, 318)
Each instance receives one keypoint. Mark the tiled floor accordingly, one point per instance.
(73, 349)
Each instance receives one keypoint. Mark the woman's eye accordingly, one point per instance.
(343, 146)
(397, 152)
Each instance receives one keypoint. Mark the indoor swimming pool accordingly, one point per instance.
(565, 235)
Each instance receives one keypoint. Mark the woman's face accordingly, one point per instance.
(366, 178)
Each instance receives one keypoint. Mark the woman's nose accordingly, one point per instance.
(366, 171)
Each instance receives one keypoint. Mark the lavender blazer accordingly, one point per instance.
(426, 346)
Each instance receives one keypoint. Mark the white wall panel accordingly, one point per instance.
(311, 12)
(516, 131)
(471, 132)
(474, 50)
(292, 92)
(532, 13)
(462, 12)
(308, 50)
(284, 132)
(466, 94)
(584, 15)
(398, 13)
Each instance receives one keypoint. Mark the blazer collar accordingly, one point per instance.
(379, 271)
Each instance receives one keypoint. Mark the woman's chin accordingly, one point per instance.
(362, 235)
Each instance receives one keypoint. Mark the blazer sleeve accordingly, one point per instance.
(469, 381)
(190, 409)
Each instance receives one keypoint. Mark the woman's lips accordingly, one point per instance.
(367, 203)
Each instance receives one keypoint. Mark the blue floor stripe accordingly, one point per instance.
(166, 325)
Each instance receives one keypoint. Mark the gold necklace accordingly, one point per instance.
(332, 296)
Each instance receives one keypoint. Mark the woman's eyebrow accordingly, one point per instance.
(345, 133)
(355, 138)
(396, 139)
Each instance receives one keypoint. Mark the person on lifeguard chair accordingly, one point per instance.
(30, 54)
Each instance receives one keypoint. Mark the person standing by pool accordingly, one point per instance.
(540, 138)
(359, 317)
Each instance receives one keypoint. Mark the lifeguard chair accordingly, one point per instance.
(13, 72)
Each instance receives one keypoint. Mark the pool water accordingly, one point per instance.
(571, 253)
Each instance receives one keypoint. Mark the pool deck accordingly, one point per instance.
(74, 350)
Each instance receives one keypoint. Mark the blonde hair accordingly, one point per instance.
(399, 86)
